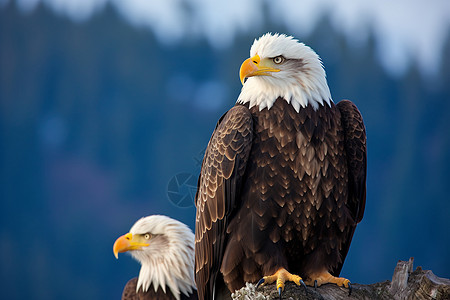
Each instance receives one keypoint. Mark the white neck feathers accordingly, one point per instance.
(168, 261)
(263, 91)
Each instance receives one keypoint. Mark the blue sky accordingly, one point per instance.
(406, 30)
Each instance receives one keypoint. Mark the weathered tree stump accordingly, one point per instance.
(406, 284)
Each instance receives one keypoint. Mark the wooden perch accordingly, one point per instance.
(405, 284)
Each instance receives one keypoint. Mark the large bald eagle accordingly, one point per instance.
(165, 249)
(283, 180)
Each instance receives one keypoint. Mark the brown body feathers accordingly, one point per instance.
(278, 188)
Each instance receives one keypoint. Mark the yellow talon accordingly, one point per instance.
(325, 277)
(281, 276)
(342, 281)
(280, 283)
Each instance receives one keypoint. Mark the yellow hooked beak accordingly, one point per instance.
(253, 66)
(128, 242)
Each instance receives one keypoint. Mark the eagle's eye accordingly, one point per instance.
(279, 59)
(147, 236)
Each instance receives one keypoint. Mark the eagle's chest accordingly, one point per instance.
(295, 163)
(296, 145)
(283, 156)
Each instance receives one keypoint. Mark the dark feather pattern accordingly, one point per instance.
(278, 188)
(129, 293)
(356, 149)
(219, 183)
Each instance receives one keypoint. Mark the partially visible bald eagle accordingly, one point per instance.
(165, 249)
(283, 180)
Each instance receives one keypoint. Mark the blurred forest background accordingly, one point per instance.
(101, 123)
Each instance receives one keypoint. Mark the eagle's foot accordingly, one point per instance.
(318, 279)
(281, 276)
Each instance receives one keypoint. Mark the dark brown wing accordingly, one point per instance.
(218, 189)
(129, 293)
(355, 147)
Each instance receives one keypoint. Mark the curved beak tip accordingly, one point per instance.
(248, 68)
(120, 245)
(116, 250)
